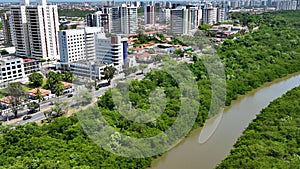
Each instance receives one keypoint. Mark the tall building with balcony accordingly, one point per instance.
(185, 19)
(164, 15)
(19, 30)
(5, 18)
(99, 19)
(35, 29)
(210, 15)
(149, 14)
(128, 19)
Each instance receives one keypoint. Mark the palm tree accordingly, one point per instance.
(38, 94)
(59, 88)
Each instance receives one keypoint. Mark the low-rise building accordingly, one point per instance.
(11, 70)
(30, 66)
(8, 101)
(68, 87)
(32, 94)
(85, 70)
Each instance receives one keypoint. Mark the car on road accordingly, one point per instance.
(70, 95)
(27, 117)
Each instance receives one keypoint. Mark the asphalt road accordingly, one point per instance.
(46, 106)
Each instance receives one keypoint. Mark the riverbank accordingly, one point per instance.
(271, 140)
(189, 147)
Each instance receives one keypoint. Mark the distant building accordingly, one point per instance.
(5, 18)
(164, 15)
(286, 5)
(117, 19)
(185, 19)
(210, 15)
(150, 14)
(99, 19)
(129, 23)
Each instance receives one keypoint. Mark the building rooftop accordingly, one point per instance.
(33, 92)
(67, 84)
(8, 100)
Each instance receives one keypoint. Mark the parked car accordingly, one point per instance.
(27, 117)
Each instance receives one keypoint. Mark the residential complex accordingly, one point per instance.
(34, 29)
(118, 19)
(149, 14)
(99, 19)
(184, 19)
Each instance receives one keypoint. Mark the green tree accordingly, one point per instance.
(59, 88)
(52, 80)
(142, 67)
(178, 52)
(16, 92)
(3, 52)
(59, 109)
(84, 97)
(33, 106)
(108, 73)
(68, 77)
(38, 95)
(36, 79)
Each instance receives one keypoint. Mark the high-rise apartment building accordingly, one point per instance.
(149, 14)
(128, 19)
(99, 19)
(185, 19)
(5, 17)
(286, 5)
(118, 19)
(221, 14)
(210, 15)
(164, 15)
(19, 30)
(35, 30)
(78, 44)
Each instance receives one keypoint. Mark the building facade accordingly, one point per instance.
(78, 44)
(111, 50)
(185, 19)
(149, 14)
(5, 17)
(35, 30)
(11, 70)
(99, 19)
